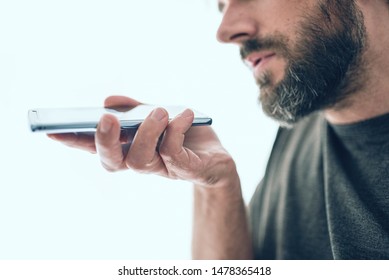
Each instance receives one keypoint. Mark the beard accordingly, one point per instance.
(324, 66)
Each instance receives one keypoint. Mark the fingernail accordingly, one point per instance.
(105, 125)
(158, 114)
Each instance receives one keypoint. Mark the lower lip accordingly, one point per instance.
(260, 67)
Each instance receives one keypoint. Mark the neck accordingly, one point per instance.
(372, 99)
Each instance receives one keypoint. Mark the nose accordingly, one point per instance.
(237, 26)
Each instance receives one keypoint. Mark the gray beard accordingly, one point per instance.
(328, 69)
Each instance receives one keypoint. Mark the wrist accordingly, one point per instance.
(223, 174)
(223, 186)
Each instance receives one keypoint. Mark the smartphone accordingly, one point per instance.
(65, 120)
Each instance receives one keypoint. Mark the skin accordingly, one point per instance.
(196, 155)
(373, 99)
(244, 20)
(323, 63)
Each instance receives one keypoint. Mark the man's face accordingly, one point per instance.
(305, 55)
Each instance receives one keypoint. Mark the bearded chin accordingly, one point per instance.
(323, 70)
(303, 90)
(328, 71)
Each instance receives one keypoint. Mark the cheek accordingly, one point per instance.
(283, 16)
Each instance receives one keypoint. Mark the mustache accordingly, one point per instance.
(255, 45)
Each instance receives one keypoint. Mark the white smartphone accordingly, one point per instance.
(64, 120)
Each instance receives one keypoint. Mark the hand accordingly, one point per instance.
(172, 149)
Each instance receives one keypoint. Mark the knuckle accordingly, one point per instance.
(170, 152)
(135, 165)
(143, 165)
(175, 162)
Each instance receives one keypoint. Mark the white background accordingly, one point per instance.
(59, 203)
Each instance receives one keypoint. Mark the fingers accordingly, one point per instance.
(120, 101)
(177, 158)
(108, 143)
(81, 141)
(172, 143)
(142, 155)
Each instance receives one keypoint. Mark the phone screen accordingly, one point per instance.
(61, 120)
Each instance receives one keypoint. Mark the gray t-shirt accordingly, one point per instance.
(325, 193)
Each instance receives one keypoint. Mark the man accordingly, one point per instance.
(322, 68)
